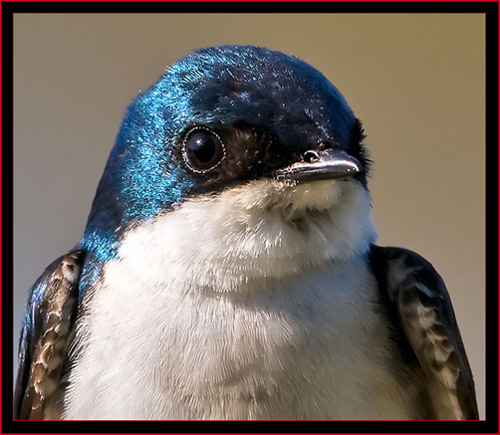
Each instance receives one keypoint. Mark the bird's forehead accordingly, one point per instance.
(255, 85)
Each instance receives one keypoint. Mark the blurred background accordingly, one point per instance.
(415, 80)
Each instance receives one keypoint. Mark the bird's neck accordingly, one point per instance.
(258, 231)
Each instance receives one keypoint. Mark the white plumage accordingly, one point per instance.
(210, 345)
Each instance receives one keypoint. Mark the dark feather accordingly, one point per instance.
(425, 319)
(44, 337)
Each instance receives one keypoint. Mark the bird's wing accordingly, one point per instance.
(44, 338)
(422, 306)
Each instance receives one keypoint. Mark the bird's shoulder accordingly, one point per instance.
(44, 337)
(422, 312)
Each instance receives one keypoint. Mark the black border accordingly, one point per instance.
(248, 7)
(488, 426)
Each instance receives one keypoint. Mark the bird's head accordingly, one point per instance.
(242, 138)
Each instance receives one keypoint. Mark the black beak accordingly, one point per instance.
(321, 165)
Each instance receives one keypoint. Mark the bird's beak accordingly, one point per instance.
(321, 165)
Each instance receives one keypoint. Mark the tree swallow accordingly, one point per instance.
(228, 268)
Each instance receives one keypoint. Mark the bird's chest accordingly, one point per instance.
(310, 346)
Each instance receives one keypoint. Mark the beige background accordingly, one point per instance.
(416, 82)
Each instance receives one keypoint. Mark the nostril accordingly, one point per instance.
(311, 156)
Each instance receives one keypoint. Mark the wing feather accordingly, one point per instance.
(427, 320)
(44, 336)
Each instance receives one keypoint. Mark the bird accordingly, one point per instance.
(229, 268)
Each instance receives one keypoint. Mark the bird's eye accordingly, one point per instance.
(203, 149)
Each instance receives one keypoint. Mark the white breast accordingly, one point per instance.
(201, 318)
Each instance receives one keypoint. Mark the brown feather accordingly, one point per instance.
(44, 345)
(427, 320)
